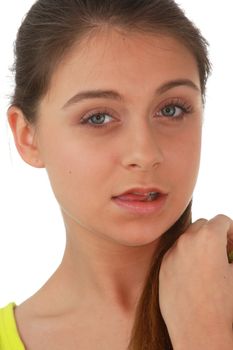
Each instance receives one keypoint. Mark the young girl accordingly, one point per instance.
(109, 98)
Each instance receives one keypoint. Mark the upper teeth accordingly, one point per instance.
(150, 196)
(145, 194)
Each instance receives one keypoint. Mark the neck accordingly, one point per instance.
(108, 273)
(99, 272)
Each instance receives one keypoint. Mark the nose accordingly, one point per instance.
(144, 149)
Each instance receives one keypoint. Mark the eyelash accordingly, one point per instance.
(185, 108)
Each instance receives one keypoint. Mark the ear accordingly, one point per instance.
(24, 137)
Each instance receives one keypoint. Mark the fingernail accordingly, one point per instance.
(230, 257)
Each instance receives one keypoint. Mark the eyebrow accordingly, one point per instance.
(114, 95)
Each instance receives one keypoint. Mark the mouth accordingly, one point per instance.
(141, 204)
(143, 191)
(139, 197)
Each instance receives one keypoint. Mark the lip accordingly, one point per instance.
(141, 190)
(142, 208)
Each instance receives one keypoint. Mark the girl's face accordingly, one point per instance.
(150, 135)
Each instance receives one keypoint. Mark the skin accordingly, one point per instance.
(108, 250)
(196, 293)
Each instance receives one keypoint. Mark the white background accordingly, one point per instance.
(32, 234)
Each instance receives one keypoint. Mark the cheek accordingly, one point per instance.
(184, 161)
(76, 172)
(181, 170)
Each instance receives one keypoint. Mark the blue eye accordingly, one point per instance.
(172, 111)
(175, 110)
(96, 120)
(99, 118)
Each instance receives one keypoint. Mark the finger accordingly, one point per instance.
(197, 225)
(222, 225)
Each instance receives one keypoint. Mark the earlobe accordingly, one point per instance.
(24, 133)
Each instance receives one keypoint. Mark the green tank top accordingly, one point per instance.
(9, 336)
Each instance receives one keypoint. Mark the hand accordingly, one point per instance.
(196, 286)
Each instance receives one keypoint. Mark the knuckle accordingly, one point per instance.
(219, 221)
(207, 231)
(196, 225)
(202, 220)
(182, 240)
(203, 224)
(205, 227)
(222, 216)
(199, 223)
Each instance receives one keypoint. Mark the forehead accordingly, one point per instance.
(124, 60)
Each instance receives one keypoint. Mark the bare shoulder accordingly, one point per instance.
(33, 329)
(39, 329)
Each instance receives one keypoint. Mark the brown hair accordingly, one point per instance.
(47, 33)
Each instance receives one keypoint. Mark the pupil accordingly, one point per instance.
(169, 110)
(98, 118)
